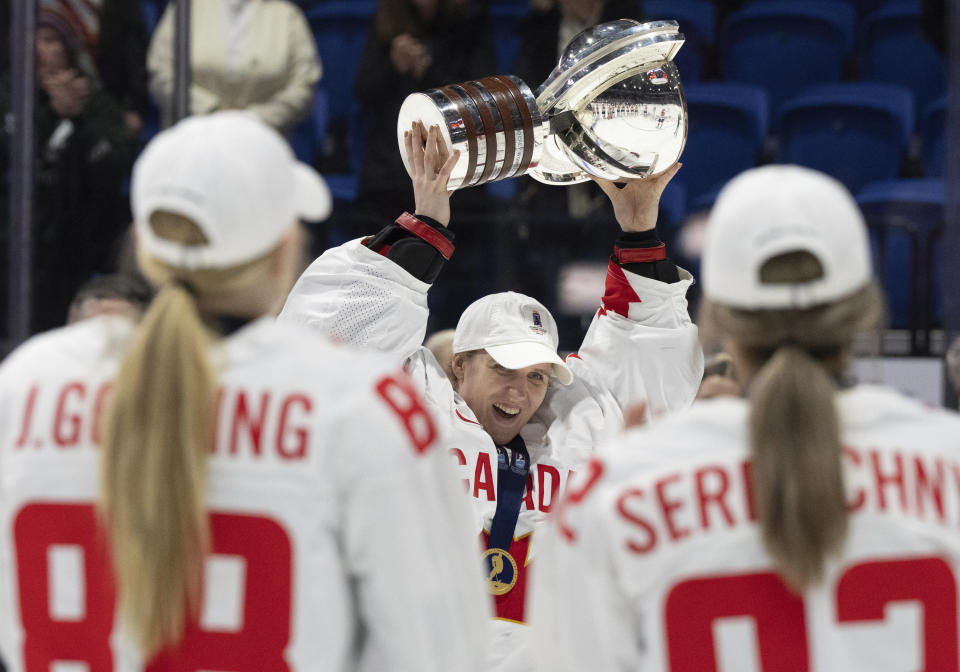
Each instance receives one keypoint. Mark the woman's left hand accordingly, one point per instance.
(635, 204)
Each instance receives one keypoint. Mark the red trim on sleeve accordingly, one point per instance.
(633, 255)
(382, 250)
(618, 294)
(427, 233)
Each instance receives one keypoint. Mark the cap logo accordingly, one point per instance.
(537, 326)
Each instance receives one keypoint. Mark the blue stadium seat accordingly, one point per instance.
(503, 22)
(502, 190)
(933, 138)
(704, 202)
(673, 206)
(152, 10)
(862, 7)
(858, 132)
(700, 15)
(340, 28)
(728, 126)
(895, 50)
(905, 218)
(698, 23)
(308, 136)
(787, 46)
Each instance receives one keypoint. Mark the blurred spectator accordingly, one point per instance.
(113, 294)
(83, 154)
(413, 45)
(544, 33)
(551, 24)
(255, 55)
(121, 51)
(115, 35)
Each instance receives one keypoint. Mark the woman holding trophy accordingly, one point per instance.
(518, 420)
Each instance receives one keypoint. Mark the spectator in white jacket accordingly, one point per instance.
(254, 55)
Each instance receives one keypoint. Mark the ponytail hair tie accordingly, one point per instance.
(789, 342)
(185, 285)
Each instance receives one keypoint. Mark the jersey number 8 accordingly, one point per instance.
(257, 645)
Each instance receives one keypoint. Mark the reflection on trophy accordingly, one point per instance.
(612, 108)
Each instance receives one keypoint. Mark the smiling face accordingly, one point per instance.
(503, 399)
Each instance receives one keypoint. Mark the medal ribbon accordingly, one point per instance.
(512, 472)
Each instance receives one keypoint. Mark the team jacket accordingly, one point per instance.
(335, 545)
(655, 560)
(640, 345)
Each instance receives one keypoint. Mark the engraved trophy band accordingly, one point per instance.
(613, 108)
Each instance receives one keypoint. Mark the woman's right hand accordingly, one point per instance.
(430, 166)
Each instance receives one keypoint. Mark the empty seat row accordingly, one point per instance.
(788, 46)
(859, 132)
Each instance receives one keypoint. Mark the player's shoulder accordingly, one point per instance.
(362, 399)
(349, 382)
(708, 430)
(70, 348)
(883, 411)
(302, 352)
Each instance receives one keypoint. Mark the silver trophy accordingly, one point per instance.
(612, 108)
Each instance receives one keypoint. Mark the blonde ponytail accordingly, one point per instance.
(797, 472)
(158, 431)
(156, 440)
(796, 357)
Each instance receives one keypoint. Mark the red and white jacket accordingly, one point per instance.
(655, 560)
(641, 345)
(339, 539)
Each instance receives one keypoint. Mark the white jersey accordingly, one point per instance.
(655, 560)
(641, 345)
(336, 543)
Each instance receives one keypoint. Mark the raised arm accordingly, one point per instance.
(372, 292)
(641, 345)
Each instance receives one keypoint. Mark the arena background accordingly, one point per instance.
(830, 110)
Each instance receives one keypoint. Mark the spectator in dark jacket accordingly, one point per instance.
(544, 33)
(413, 45)
(83, 154)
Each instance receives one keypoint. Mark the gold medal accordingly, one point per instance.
(502, 576)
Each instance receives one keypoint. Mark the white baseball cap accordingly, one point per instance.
(516, 330)
(232, 175)
(768, 211)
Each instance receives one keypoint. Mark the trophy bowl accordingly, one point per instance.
(612, 108)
